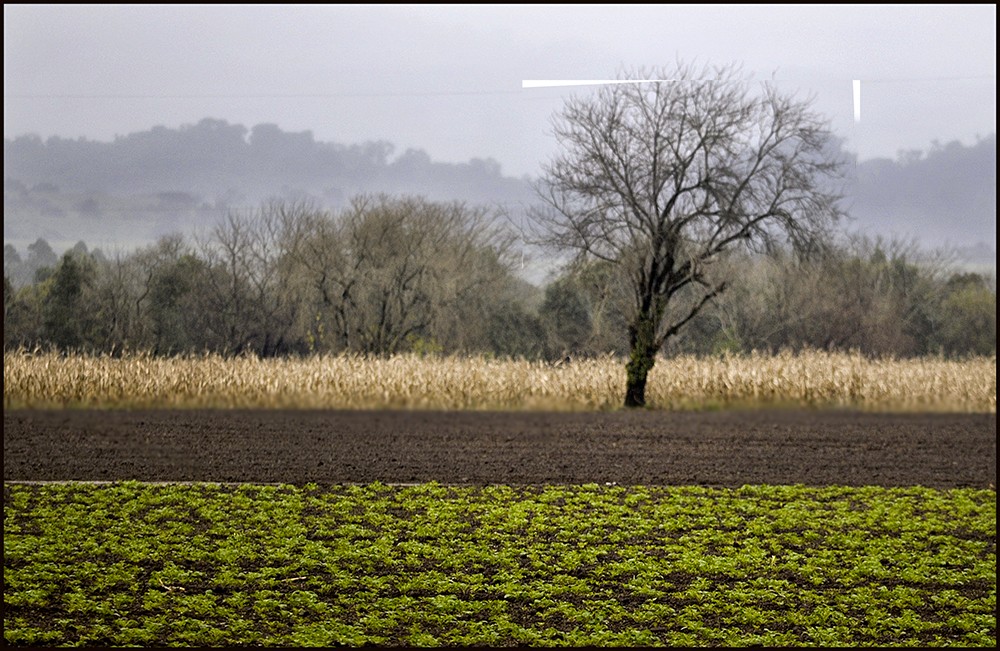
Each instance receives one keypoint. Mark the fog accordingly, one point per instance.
(448, 79)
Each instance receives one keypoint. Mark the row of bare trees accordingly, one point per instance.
(390, 275)
(383, 275)
(881, 298)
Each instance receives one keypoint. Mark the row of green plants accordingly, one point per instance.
(208, 564)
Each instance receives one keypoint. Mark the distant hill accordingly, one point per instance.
(143, 185)
(146, 184)
(946, 196)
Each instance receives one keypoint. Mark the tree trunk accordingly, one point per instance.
(641, 360)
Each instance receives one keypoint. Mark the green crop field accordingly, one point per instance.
(207, 564)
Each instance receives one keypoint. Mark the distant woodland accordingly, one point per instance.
(162, 181)
(387, 275)
(268, 242)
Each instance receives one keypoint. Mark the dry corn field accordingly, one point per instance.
(50, 380)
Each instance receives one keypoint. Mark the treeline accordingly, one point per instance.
(388, 274)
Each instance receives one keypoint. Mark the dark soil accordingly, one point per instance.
(647, 447)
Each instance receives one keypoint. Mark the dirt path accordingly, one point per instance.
(716, 449)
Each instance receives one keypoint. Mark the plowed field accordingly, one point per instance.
(630, 448)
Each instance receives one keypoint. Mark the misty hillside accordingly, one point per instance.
(147, 184)
(947, 195)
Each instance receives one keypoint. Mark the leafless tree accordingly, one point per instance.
(117, 294)
(251, 255)
(663, 177)
(387, 271)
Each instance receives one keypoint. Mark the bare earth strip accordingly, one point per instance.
(635, 448)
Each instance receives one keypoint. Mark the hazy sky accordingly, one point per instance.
(447, 79)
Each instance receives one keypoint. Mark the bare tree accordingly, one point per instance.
(117, 292)
(252, 255)
(663, 177)
(388, 271)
